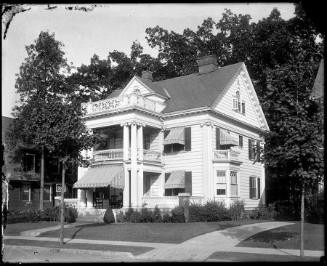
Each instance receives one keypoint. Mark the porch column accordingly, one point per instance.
(126, 198)
(81, 194)
(140, 168)
(162, 175)
(126, 141)
(133, 164)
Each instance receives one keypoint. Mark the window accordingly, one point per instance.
(176, 191)
(25, 192)
(237, 102)
(233, 183)
(255, 190)
(243, 107)
(221, 182)
(251, 149)
(176, 147)
(29, 162)
(240, 141)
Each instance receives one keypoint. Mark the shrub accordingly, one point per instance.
(166, 218)
(146, 216)
(177, 215)
(135, 217)
(128, 214)
(109, 216)
(236, 210)
(263, 212)
(216, 211)
(314, 210)
(287, 211)
(197, 212)
(156, 215)
(70, 215)
(120, 217)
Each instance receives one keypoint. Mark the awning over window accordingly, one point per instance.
(176, 179)
(102, 176)
(227, 139)
(175, 135)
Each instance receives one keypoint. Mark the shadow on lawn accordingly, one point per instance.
(271, 236)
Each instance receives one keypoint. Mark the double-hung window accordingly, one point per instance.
(233, 184)
(254, 186)
(221, 183)
(236, 102)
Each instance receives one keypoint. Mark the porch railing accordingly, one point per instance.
(104, 155)
(151, 155)
(121, 102)
(226, 155)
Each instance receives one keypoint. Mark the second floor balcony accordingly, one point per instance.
(130, 100)
(226, 155)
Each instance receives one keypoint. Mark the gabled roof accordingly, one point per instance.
(195, 90)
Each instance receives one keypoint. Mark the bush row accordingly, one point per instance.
(48, 214)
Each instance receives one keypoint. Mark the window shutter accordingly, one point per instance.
(187, 132)
(250, 149)
(217, 138)
(259, 188)
(188, 182)
(243, 107)
(252, 187)
(240, 141)
(258, 151)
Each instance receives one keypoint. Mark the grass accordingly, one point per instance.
(247, 257)
(16, 228)
(132, 249)
(288, 237)
(145, 232)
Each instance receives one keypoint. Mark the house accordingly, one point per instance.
(195, 134)
(22, 170)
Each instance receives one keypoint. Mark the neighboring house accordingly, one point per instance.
(195, 134)
(22, 169)
(317, 95)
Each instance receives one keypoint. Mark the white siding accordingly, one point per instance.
(189, 160)
(155, 141)
(225, 104)
(133, 85)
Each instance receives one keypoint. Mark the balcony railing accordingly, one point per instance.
(121, 102)
(104, 155)
(226, 155)
(151, 155)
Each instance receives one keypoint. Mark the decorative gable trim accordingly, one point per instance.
(135, 78)
(254, 98)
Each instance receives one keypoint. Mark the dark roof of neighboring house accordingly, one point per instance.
(192, 91)
(115, 93)
(318, 87)
(5, 123)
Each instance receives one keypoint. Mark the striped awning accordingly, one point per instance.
(227, 139)
(102, 176)
(175, 135)
(176, 179)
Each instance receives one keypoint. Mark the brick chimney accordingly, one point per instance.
(147, 75)
(207, 64)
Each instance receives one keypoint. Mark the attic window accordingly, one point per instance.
(136, 90)
(236, 102)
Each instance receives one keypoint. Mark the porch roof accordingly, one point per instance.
(176, 179)
(175, 135)
(102, 176)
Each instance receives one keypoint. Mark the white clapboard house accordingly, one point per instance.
(195, 134)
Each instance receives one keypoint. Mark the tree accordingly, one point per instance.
(41, 76)
(49, 115)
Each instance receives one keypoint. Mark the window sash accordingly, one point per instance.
(243, 107)
(253, 187)
(233, 189)
(25, 193)
(240, 141)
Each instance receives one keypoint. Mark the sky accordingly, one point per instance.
(106, 28)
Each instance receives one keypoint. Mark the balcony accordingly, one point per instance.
(107, 155)
(149, 155)
(130, 100)
(226, 155)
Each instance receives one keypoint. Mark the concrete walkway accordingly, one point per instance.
(196, 249)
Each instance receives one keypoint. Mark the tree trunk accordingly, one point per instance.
(62, 205)
(42, 179)
(302, 222)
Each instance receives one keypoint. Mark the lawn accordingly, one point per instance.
(16, 228)
(145, 232)
(132, 249)
(288, 237)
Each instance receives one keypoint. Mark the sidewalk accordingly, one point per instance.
(196, 249)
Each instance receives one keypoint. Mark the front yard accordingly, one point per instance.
(145, 232)
(288, 237)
